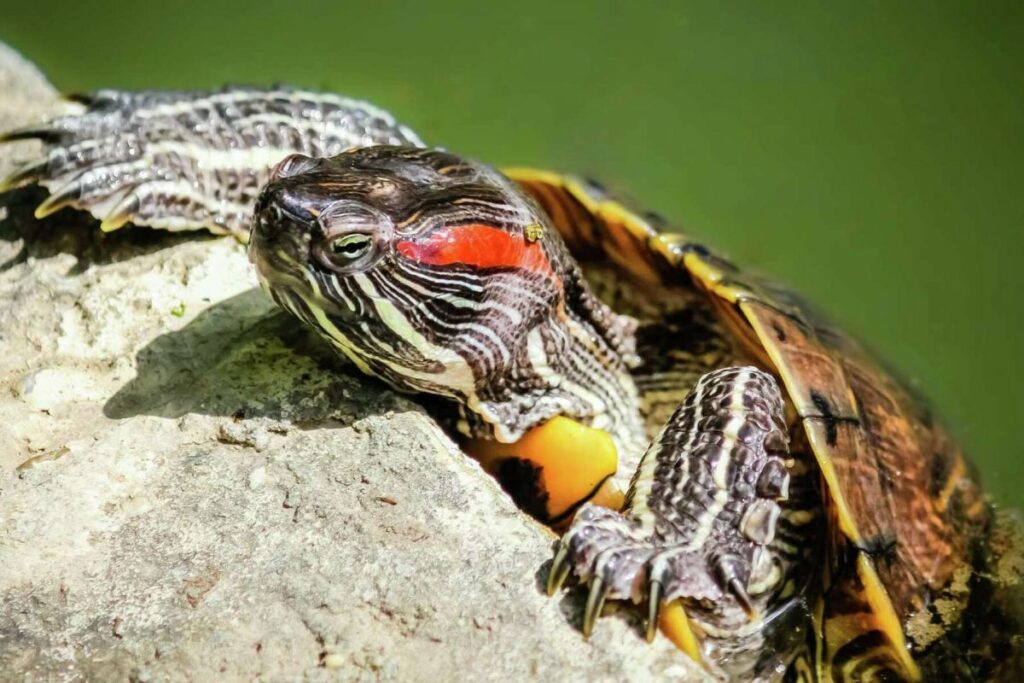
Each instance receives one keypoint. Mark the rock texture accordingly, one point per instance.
(193, 488)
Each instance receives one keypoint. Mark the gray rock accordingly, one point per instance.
(193, 488)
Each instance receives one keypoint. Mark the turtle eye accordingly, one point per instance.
(350, 247)
(352, 237)
(349, 252)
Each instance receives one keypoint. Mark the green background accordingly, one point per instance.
(869, 153)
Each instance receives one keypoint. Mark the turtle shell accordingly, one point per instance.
(908, 522)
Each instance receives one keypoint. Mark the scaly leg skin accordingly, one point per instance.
(719, 517)
(190, 160)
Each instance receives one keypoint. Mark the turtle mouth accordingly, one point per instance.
(295, 285)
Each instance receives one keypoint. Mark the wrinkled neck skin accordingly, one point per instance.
(574, 362)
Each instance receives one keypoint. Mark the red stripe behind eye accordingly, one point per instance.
(482, 246)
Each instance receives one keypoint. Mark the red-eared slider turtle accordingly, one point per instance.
(797, 513)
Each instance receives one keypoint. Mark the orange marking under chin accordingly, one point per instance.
(482, 246)
(573, 460)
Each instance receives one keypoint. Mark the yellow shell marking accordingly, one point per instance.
(676, 626)
(574, 462)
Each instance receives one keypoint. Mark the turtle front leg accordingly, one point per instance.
(714, 519)
(189, 160)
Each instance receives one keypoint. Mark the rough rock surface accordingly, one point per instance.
(192, 488)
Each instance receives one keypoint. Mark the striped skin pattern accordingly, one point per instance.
(453, 294)
(719, 515)
(190, 160)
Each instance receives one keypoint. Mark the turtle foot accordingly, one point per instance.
(188, 160)
(717, 526)
(616, 558)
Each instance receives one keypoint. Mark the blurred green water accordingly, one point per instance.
(869, 153)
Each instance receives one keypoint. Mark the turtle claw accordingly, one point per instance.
(27, 175)
(30, 133)
(559, 570)
(122, 213)
(617, 558)
(742, 597)
(728, 574)
(82, 98)
(654, 595)
(61, 199)
(595, 603)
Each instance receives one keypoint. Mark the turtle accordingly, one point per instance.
(720, 459)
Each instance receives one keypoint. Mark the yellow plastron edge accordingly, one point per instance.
(576, 463)
(676, 626)
(883, 611)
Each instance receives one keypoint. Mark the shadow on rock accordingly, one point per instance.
(244, 358)
(72, 232)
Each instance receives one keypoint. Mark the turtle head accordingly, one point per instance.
(320, 222)
(440, 275)
(423, 268)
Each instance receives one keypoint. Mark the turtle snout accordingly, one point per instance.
(282, 227)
